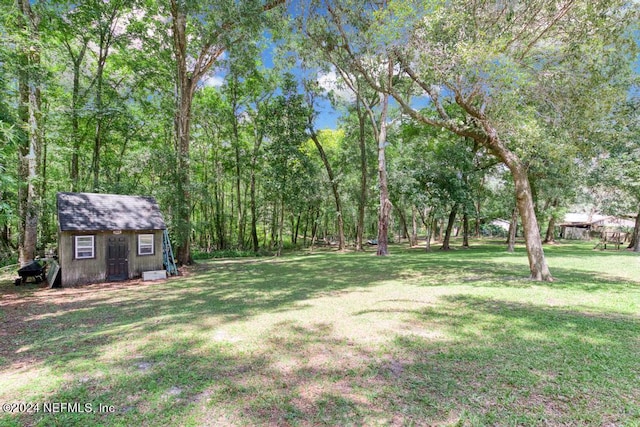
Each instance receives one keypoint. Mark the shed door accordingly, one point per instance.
(117, 258)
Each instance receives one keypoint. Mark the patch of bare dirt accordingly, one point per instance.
(26, 308)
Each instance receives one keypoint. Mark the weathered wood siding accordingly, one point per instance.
(138, 263)
(81, 271)
(77, 271)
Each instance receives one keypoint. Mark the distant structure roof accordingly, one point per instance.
(104, 212)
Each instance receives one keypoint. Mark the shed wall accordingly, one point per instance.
(137, 263)
(81, 271)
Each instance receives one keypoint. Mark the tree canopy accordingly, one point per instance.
(451, 113)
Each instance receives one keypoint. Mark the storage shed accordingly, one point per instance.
(108, 237)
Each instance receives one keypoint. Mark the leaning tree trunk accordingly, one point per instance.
(452, 217)
(334, 186)
(537, 261)
(489, 138)
(524, 202)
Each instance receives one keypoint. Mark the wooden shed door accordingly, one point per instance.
(117, 258)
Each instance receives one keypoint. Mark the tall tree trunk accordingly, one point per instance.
(185, 86)
(29, 202)
(433, 226)
(465, 229)
(186, 83)
(334, 186)
(414, 227)
(29, 116)
(238, 160)
(635, 239)
(106, 40)
(296, 230)
(232, 222)
(280, 228)
(551, 234)
(183, 184)
(254, 214)
(77, 60)
(219, 207)
(97, 140)
(42, 193)
(385, 203)
(452, 218)
(5, 237)
(314, 227)
(305, 229)
(477, 224)
(257, 142)
(513, 229)
(362, 200)
(429, 224)
(404, 227)
(272, 227)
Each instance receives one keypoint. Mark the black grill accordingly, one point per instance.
(35, 269)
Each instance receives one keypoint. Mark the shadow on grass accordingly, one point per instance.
(504, 364)
(237, 289)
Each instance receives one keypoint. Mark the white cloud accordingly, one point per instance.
(213, 81)
(330, 82)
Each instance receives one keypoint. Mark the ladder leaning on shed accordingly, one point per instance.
(167, 255)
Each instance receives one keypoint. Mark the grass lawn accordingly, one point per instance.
(445, 338)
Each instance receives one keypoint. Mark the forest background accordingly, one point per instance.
(449, 112)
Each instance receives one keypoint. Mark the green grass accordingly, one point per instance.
(444, 338)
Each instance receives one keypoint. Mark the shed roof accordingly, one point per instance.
(102, 212)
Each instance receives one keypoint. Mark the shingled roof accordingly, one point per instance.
(104, 212)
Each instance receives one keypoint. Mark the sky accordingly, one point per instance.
(327, 117)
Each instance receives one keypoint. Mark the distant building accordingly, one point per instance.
(501, 223)
(108, 237)
(582, 226)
